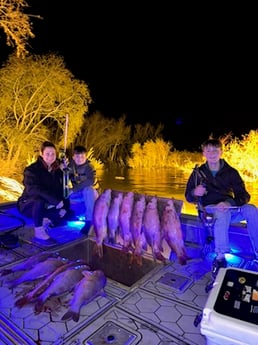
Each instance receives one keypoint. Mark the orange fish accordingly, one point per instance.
(172, 231)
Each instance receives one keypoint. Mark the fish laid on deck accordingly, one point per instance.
(45, 283)
(88, 288)
(63, 283)
(28, 263)
(42, 269)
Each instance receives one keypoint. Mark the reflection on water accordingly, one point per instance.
(168, 183)
(161, 182)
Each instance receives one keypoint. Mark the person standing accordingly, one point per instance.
(218, 189)
(82, 176)
(42, 198)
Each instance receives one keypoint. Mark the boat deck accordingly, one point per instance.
(155, 304)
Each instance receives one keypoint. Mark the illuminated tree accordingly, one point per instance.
(108, 137)
(36, 94)
(16, 24)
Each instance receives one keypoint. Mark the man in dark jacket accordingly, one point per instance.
(82, 176)
(42, 197)
(218, 188)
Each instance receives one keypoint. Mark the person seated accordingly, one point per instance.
(42, 198)
(82, 176)
(219, 188)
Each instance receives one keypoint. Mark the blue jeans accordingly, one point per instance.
(247, 212)
(82, 202)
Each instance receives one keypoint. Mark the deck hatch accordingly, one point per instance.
(175, 281)
(110, 333)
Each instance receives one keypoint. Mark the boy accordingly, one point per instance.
(82, 176)
(216, 186)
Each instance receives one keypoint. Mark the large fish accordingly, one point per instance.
(28, 263)
(42, 285)
(100, 213)
(124, 220)
(64, 282)
(151, 228)
(88, 288)
(113, 216)
(172, 231)
(138, 235)
(42, 269)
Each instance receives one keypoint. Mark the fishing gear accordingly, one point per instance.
(64, 162)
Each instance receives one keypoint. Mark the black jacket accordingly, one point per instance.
(39, 182)
(227, 185)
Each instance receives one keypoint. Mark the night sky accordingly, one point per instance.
(195, 74)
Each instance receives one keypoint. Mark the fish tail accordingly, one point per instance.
(5, 272)
(182, 260)
(99, 250)
(71, 315)
(137, 258)
(22, 301)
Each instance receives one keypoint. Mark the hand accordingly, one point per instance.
(60, 205)
(62, 212)
(223, 206)
(64, 163)
(200, 190)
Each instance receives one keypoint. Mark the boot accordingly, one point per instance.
(40, 233)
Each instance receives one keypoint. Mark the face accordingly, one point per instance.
(79, 158)
(49, 155)
(212, 153)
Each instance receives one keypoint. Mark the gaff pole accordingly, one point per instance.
(65, 169)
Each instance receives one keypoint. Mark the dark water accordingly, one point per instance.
(161, 182)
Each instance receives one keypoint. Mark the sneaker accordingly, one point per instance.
(86, 228)
(217, 264)
(49, 242)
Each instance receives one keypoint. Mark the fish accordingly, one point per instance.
(113, 217)
(62, 283)
(151, 228)
(124, 221)
(42, 269)
(41, 287)
(172, 231)
(28, 263)
(88, 288)
(139, 240)
(100, 213)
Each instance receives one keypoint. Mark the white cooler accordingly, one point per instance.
(230, 316)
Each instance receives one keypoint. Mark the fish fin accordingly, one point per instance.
(159, 256)
(22, 301)
(5, 272)
(39, 306)
(182, 260)
(87, 273)
(71, 315)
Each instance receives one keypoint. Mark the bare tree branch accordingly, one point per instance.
(16, 25)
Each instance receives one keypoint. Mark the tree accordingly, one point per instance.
(108, 137)
(36, 94)
(16, 24)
